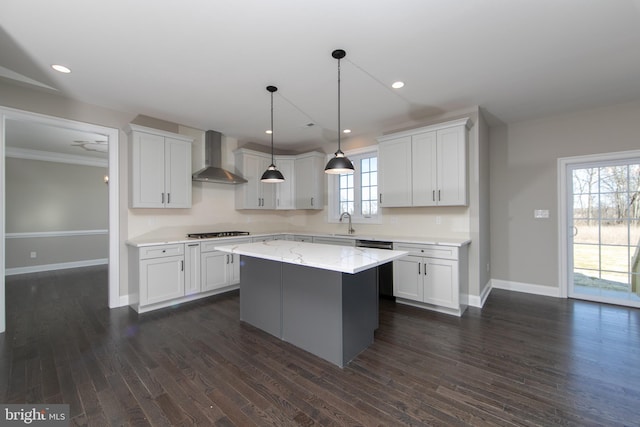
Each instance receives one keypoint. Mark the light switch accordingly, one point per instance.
(541, 213)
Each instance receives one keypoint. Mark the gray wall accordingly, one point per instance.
(52, 197)
(524, 177)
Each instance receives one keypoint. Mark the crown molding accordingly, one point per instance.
(47, 156)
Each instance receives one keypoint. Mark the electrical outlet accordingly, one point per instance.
(33, 255)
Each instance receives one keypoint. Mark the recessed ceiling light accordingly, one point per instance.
(61, 68)
(268, 131)
(397, 85)
(346, 131)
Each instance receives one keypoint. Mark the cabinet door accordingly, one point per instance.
(441, 282)
(285, 191)
(266, 191)
(161, 279)
(254, 194)
(309, 182)
(177, 173)
(214, 270)
(452, 166)
(408, 278)
(395, 172)
(234, 269)
(424, 173)
(147, 170)
(192, 268)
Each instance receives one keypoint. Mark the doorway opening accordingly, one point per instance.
(111, 137)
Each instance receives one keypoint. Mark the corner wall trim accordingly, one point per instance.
(52, 267)
(527, 288)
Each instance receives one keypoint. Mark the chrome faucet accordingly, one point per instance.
(351, 230)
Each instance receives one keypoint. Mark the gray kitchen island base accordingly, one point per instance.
(330, 314)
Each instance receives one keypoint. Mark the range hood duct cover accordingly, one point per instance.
(212, 171)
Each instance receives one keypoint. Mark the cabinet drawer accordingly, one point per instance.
(432, 251)
(148, 252)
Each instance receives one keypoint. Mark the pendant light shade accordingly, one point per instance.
(272, 174)
(339, 164)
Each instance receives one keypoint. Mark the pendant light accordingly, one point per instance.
(272, 174)
(340, 163)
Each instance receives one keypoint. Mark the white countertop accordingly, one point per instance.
(345, 259)
(150, 240)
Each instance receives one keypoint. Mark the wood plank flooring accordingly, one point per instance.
(522, 360)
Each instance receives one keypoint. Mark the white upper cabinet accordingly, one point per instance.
(302, 188)
(255, 194)
(425, 166)
(309, 177)
(160, 169)
(394, 158)
(285, 191)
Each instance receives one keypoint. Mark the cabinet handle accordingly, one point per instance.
(312, 201)
(438, 195)
(433, 195)
(419, 273)
(162, 198)
(227, 257)
(168, 198)
(194, 245)
(425, 268)
(380, 198)
(231, 256)
(181, 265)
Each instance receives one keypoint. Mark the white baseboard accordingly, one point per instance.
(52, 267)
(478, 301)
(528, 288)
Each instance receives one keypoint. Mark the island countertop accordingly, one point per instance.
(345, 259)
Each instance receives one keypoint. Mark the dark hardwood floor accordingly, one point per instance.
(521, 360)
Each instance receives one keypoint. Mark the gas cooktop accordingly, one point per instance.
(214, 234)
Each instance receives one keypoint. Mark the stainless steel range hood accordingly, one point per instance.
(212, 171)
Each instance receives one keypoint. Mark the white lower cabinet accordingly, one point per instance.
(161, 279)
(165, 275)
(214, 270)
(156, 275)
(220, 269)
(432, 276)
(192, 268)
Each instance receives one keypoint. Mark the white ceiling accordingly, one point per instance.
(205, 63)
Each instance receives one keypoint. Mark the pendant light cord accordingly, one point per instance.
(339, 128)
(272, 128)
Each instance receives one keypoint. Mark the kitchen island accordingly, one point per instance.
(321, 298)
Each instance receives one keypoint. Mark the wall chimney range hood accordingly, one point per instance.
(212, 171)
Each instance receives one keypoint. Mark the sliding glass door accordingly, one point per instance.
(604, 230)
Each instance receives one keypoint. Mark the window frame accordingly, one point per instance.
(333, 191)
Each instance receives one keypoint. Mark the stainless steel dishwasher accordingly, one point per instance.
(385, 271)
